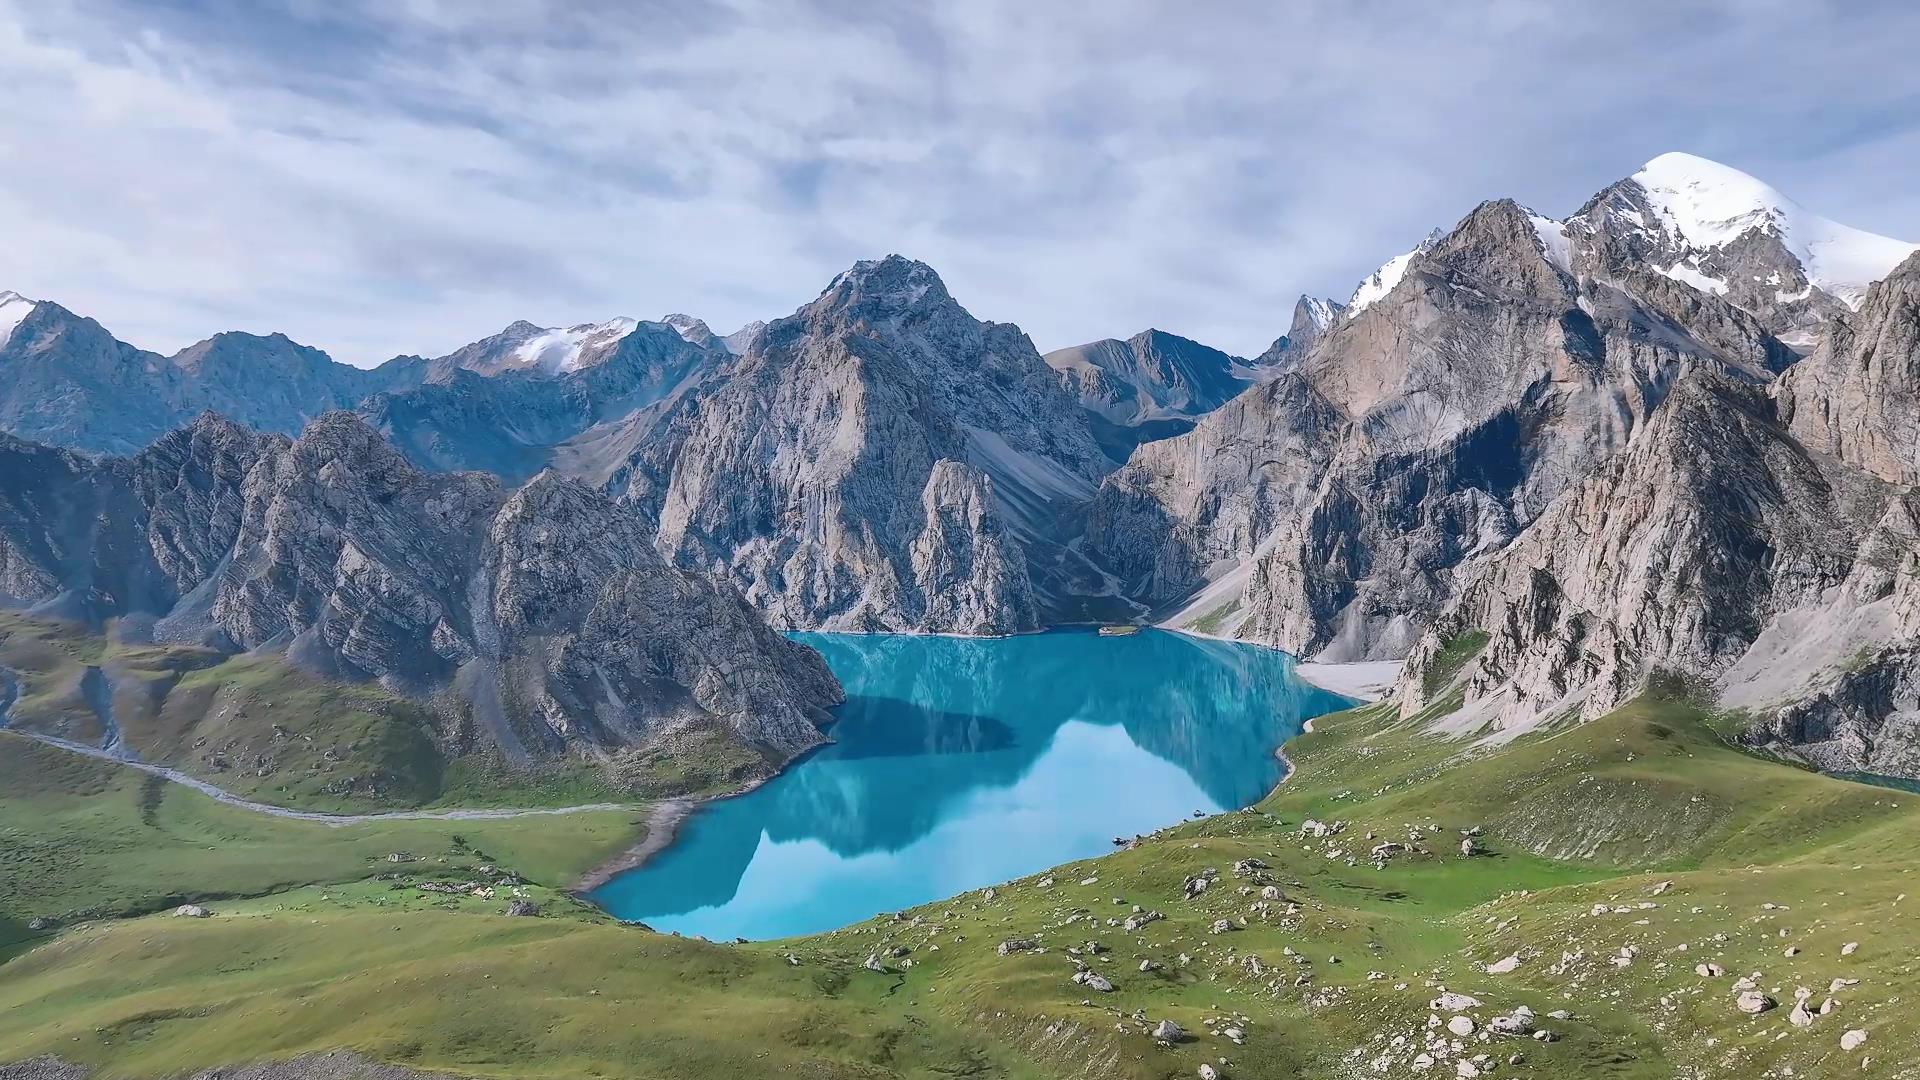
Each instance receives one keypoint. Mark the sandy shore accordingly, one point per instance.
(663, 824)
(1368, 680)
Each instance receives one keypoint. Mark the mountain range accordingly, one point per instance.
(1541, 459)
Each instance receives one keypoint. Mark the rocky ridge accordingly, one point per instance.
(880, 460)
(541, 620)
(1537, 440)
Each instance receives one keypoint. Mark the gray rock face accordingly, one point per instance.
(1561, 437)
(1150, 386)
(1856, 396)
(1674, 554)
(544, 615)
(1440, 419)
(1720, 546)
(880, 460)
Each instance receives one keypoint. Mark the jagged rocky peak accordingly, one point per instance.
(883, 288)
(1858, 396)
(740, 340)
(1724, 232)
(1381, 281)
(692, 329)
(1312, 316)
(699, 333)
(879, 460)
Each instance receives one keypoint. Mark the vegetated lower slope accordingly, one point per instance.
(82, 838)
(1612, 858)
(253, 725)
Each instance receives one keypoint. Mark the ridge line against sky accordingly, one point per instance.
(377, 178)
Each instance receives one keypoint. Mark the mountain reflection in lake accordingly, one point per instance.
(960, 762)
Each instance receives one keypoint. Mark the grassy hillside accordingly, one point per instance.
(1640, 832)
(82, 838)
(261, 729)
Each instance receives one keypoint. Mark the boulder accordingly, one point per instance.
(191, 911)
(1753, 1001)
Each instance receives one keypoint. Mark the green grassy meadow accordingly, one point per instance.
(1643, 831)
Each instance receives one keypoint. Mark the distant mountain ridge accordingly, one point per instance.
(1389, 478)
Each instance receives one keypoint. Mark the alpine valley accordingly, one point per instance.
(331, 697)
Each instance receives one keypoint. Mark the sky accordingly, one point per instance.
(378, 177)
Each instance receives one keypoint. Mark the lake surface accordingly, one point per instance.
(961, 762)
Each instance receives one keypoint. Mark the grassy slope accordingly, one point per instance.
(1598, 813)
(82, 836)
(265, 731)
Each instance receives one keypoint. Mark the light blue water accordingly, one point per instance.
(960, 762)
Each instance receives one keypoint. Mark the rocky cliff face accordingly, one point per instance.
(542, 618)
(1551, 460)
(1757, 540)
(1855, 397)
(880, 460)
(1443, 416)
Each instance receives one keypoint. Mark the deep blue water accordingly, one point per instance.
(960, 762)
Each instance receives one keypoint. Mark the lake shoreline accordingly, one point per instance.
(634, 883)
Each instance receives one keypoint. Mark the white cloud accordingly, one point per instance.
(388, 178)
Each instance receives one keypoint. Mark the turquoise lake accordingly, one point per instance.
(961, 762)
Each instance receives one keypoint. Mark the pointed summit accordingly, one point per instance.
(886, 286)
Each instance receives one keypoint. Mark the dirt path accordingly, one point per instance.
(229, 798)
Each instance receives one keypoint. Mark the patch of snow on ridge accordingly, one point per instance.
(14, 310)
(1553, 241)
(1384, 279)
(1710, 205)
(561, 350)
(1320, 312)
(1688, 274)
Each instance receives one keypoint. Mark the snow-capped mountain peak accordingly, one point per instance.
(14, 310)
(1382, 281)
(562, 349)
(1710, 207)
(1319, 312)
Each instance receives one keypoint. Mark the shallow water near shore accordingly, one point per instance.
(961, 762)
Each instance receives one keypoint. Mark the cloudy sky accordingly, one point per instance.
(385, 176)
